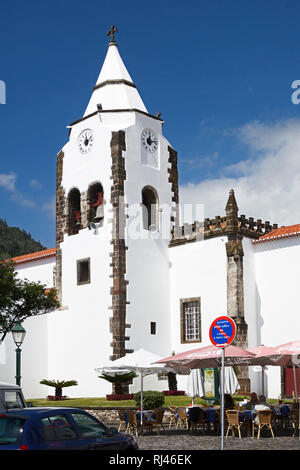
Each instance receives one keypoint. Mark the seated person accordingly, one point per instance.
(228, 402)
(253, 399)
(263, 401)
(194, 413)
(261, 405)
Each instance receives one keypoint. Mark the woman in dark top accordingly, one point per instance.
(228, 402)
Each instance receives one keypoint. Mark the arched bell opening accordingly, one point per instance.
(74, 211)
(150, 208)
(95, 203)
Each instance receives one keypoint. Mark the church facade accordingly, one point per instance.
(128, 275)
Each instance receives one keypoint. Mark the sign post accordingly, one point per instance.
(221, 333)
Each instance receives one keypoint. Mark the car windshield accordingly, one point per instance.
(10, 429)
(13, 399)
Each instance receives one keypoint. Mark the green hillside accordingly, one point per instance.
(15, 242)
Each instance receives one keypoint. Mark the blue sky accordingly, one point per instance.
(220, 72)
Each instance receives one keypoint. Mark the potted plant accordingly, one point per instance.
(58, 385)
(119, 380)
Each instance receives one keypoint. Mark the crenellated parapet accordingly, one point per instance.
(250, 228)
(231, 225)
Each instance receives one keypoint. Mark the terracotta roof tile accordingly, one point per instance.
(280, 233)
(33, 256)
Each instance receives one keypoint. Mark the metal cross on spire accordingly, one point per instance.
(111, 33)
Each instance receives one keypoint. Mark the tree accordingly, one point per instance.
(59, 385)
(172, 381)
(119, 380)
(21, 299)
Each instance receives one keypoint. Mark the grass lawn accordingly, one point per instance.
(99, 402)
(102, 402)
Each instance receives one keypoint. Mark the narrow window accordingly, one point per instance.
(95, 198)
(153, 328)
(150, 208)
(190, 321)
(83, 271)
(74, 211)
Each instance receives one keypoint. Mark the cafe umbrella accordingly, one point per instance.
(206, 356)
(231, 384)
(141, 362)
(194, 385)
(287, 354)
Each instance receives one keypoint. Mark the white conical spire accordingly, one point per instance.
(114, 88)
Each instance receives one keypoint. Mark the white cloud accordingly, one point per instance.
(50, 207)
(35, 184)
(267, 185)
(8, 181)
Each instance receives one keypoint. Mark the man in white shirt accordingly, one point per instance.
(262, 405)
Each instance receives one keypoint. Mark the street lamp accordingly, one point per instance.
(18, 333)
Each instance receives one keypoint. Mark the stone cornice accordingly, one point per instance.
(129, 110)
(120, 81)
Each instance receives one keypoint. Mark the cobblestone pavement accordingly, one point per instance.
(183, 440)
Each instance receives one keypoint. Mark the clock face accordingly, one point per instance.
(149, 140)
(85, 141)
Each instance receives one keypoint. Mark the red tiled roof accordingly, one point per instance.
(280, 233)
(33, 256)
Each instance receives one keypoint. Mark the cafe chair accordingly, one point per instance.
(262, 419)
(295, 418)
(217, 421)
(173, 417)
(132, 423)
(281, 416)
(233, 422)
(196, 418)
(183, 418)
(156, 422)
(123, 420)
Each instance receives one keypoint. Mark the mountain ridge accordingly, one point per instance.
(16, 242)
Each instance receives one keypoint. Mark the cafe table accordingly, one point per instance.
(149, 415)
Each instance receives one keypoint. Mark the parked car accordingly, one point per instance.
(11, 397)
(59, 429)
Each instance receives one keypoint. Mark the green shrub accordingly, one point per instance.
(151, 399)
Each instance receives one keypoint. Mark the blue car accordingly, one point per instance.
(59, 429)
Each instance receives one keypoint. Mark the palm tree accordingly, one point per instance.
(59, 385)
(118, 380)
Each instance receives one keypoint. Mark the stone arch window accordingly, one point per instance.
(95, 203)
(74, 211)
(150, 208)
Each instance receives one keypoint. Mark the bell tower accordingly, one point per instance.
(117, 189)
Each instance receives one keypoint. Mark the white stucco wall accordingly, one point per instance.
(277, 282)
(198, 269)
(250, 308)
(34, 356)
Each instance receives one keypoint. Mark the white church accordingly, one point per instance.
(129, 275)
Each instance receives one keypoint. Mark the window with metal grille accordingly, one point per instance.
(190, 320)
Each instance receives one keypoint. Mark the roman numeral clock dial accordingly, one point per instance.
(150, 146)
(85, 141)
